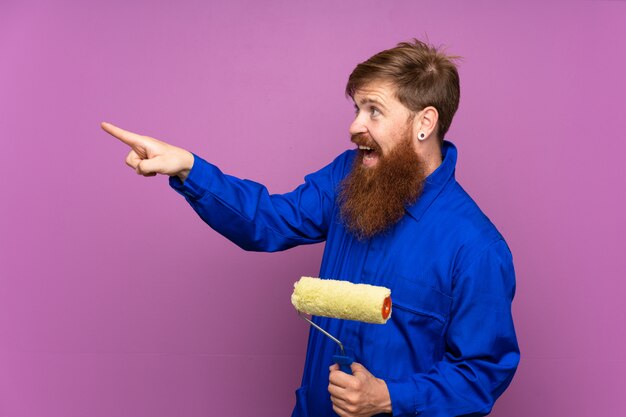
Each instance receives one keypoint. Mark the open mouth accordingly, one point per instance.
(368, 155)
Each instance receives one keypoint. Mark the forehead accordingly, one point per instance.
(378, 91)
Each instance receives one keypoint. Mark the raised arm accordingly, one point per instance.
(249, 215)
(241, 210)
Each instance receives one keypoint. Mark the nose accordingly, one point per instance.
(357, 126)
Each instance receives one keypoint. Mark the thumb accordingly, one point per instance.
(357, 368)
(151, 166)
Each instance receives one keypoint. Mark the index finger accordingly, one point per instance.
(129, 138)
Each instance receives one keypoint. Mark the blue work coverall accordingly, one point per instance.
(449, 348)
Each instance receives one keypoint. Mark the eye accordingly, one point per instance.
(374, 111)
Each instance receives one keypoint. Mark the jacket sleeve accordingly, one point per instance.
(247, 214)
(481, 353)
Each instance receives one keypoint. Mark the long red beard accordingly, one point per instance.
(373, 199)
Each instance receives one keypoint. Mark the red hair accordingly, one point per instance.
(422, 75)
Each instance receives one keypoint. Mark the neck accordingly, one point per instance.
(432, 159)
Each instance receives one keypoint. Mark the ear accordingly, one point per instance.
(425, 123)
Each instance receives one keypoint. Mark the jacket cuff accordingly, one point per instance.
(402, 396)
(197, 183)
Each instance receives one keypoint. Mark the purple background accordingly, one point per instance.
(116, 300)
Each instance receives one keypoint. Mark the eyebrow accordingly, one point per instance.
(369, 100)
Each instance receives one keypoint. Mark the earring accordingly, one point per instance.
(421, 135)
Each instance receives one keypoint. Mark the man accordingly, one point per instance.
(391, 214)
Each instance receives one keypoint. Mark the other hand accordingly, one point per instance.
(358, 395)
(149, 156)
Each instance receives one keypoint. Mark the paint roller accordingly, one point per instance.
(341, 300)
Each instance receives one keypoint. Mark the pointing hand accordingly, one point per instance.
(149, 156)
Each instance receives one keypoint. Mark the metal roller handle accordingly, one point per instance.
(334, 339)
(344, 361)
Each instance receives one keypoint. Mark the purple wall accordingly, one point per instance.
(116, 300)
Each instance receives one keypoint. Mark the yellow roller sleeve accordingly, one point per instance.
(342, 299)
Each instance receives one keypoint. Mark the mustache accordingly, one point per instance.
(364, 139)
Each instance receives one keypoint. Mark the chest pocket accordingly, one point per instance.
(414, 337)
(413, 296)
